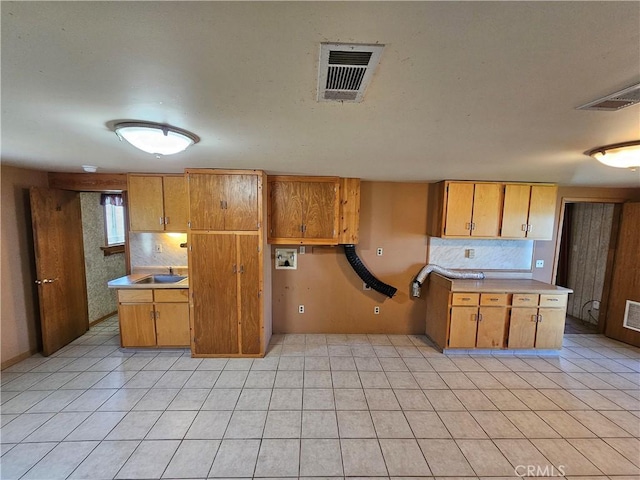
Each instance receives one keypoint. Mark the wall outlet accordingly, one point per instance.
(379, 251)
(376, 310)
(539, 263)
(158, 248)
(470, 253)
(365, 286)
(300, 308)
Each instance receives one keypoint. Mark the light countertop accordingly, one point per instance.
(498, 285)
(128, 281)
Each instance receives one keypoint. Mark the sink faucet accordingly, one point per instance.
(170, 270)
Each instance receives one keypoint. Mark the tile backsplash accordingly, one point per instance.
(503, 255)
(143, 246)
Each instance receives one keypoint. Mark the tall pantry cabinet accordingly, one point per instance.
(229, 274)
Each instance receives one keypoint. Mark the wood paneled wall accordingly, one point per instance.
(589, 245)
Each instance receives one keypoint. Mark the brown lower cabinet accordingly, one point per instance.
(154, 317)
(225, 278)
(483, 319)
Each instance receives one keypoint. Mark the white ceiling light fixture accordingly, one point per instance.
(155, 138)
(619, 155)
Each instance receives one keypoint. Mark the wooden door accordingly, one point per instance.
(172, 324)
(522, 328)
(250, 292)
(491, 327)
(137, 325)
(213, 283)
(542, 212)
(550, 328)
(319, 215)
(146, 211)
(487, 205)
(62, 292)
(459, 209)
(625, 281)
(515, 211)
(286, 200)
(241, 212)
(206, 201)
(176, 203)
(463, 327)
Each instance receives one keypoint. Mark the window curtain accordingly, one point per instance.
(111, 199)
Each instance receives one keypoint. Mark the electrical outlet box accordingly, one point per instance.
(158, 248)
(539, 263)
(365, 286)
(376, 310)
(300, 308)
(379, 251)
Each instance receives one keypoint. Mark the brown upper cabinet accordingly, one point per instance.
(304, 210)
(465, 209)
(529, 211)
(157, 203)
(223, 200)
(491, 210)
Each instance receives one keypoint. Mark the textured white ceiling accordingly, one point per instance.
(464, 90)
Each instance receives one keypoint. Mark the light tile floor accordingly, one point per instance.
(322, 406)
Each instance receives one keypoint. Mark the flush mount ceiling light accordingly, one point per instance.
(619, 155)
(155, 138)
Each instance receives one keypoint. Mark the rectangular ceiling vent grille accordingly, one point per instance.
(346, 70)
(615, 101)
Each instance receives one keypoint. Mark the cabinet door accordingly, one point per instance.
(522, 328)
(241, 207)
(550, 328)
(144, 195)
(286, 209)
(137, 325)
(542, 212)
(491, 327)
(172, 324)
(213, 281)
(176, 204)
(206, 201)
(319, 210)
(486, 210)
(249, 271)
(459, 209)
(515, 211)
(463, 327)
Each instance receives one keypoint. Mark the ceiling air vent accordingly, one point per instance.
(346, 70)
(615, 101)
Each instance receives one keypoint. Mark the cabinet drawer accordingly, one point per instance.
(525, 299)
(135, 295)
(488, 299)
(465, 298)
(547, 300)
(171, 295)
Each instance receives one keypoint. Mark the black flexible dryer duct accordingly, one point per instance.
(366, 276)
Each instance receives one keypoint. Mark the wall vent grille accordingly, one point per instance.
(632, 316)
(346, 70)
(615, 101)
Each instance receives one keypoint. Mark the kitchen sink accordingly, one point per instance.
(161, 279)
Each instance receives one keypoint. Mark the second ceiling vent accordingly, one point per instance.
(346, 70)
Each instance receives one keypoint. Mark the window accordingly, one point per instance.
(113, 223)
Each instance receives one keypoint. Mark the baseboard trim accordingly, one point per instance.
(17, 359)
(102, 319)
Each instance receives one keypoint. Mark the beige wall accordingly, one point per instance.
(20, 318)
(392, 216)
(547, 250)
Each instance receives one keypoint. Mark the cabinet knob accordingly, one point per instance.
(161, 220)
